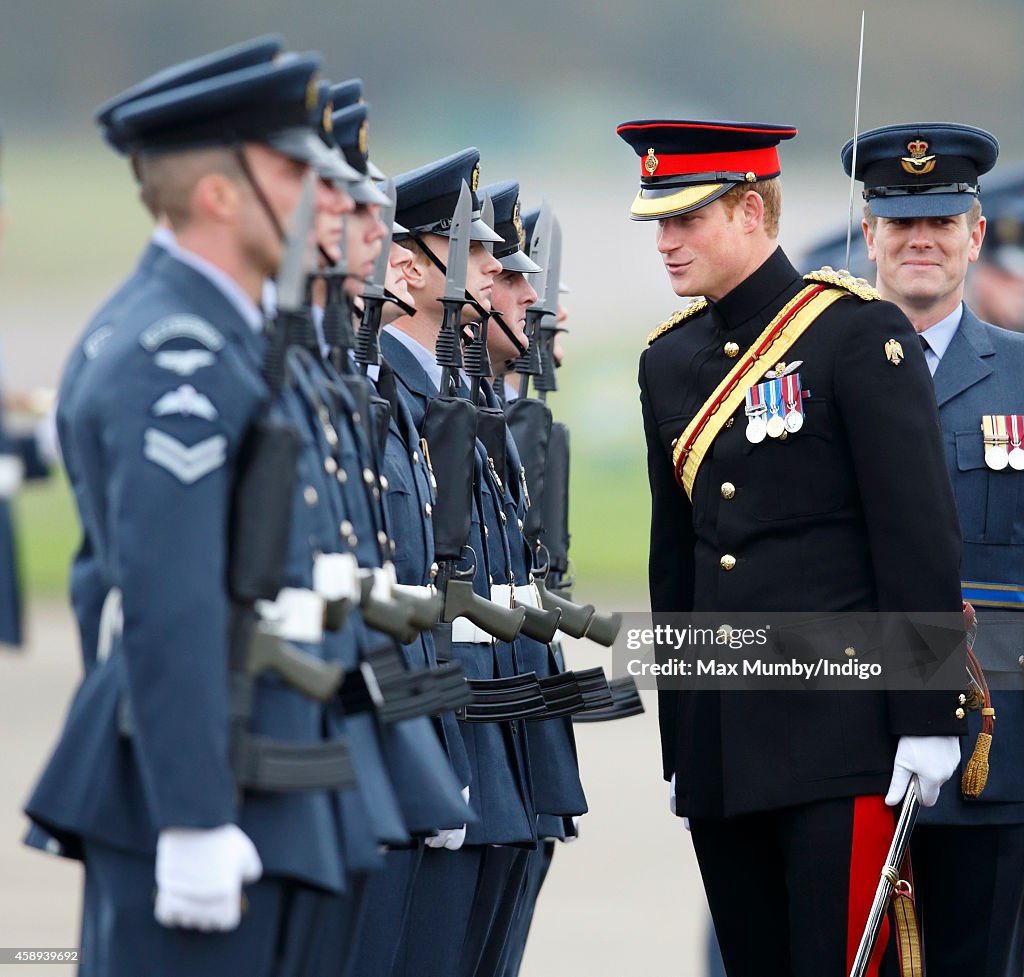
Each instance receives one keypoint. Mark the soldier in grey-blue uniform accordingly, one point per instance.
(924, 226)
(21, 459)
(145, 782)
(474, 878)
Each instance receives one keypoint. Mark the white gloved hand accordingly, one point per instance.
(12, 471)
(450, 838)
(672, 795)
(933, 758)
(199, 876)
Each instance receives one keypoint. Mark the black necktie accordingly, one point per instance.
(925, 345)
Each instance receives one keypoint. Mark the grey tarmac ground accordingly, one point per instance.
(624, 899)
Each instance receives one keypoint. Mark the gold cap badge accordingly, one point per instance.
(517, 223)
(894, 352)
(312, 93)
(917, 163)
(651, 163)
(364, 137)
(474, 181)
(327, 119)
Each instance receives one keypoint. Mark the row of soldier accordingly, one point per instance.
(325, 726)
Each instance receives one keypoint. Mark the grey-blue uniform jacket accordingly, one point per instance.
(982, 372)
(156, 482)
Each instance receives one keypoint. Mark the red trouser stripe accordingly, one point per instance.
(873, 828)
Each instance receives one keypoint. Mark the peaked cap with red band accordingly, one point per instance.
(684, 165)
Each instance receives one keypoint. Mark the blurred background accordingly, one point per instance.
(539, 88)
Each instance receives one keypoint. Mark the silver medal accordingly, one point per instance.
(757, 430)
(1016, 458)
(794, 421)
(997, 457)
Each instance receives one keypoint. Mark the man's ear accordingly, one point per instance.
(217, 196)
(416, 271)
(869, 239)
(977, 236)
(753, 211)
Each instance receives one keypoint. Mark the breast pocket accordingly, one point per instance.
(800, 475)
(989, 502)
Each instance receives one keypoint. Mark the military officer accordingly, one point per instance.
(475, 878)
(924, 228)
(225, 159)
(995, 283)
(785, 791)
(21, 458)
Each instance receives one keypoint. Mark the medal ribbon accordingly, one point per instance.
(769, 347)
(773, 390)
(791, 392)
(1016, 422)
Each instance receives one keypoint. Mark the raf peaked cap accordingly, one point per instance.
(927, 169)
(272, 103)
(511, 252)
(260, 50)
(350, 128)
(427, 197)
(344, 94)
(685, 165)
(329, 164)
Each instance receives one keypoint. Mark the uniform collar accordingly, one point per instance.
(423, 356)
(225, 284)
(940, 335)
(757, 293)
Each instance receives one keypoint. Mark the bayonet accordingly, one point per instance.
(298, 260)
(529, 364)
(374, 292)
(448, 349)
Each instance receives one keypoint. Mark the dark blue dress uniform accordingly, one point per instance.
(824, 520)
(968, 853)
(24, 449)
(146, 743)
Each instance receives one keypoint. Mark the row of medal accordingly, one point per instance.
(774, 408)
(1004, 434)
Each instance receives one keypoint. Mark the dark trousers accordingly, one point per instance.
(388, 896)
(439, 913)
(790, 890)
(970, 897)
(333, 942)
(121, 937)
(499, 887)
(536, 873)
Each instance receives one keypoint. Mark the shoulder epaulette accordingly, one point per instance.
(860, 287)
(695, 307)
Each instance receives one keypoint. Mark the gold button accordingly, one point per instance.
(751, 176)
(732, 350)
(851, 652)
(428, 509)
(728, 490)
(960, 714)
(963, 699)
(730, 422)
(330, 466)
(309, 494)
(727, 562)
(384, 483)
(673, 444)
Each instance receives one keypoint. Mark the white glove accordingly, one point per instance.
(933, 758)
(672, 795)
(199, 876)
(12, 471)
(450, 838)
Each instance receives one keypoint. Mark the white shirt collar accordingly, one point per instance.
(226, 285)
(940, 335)
(163, 237)
(424, 356)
